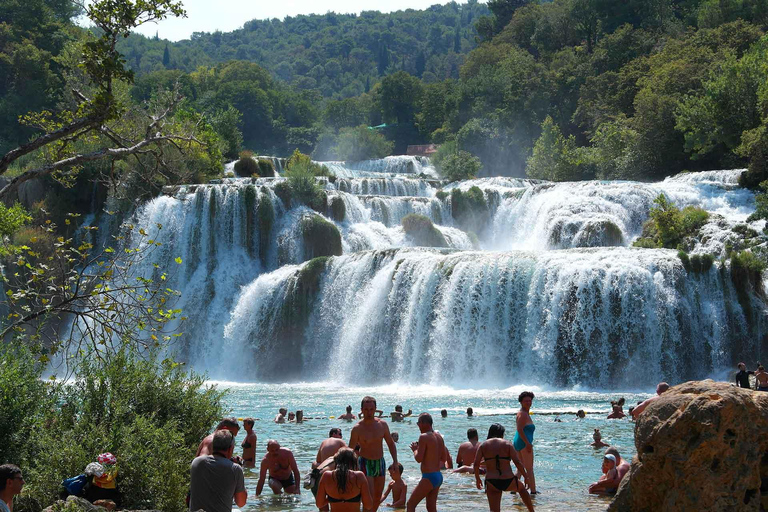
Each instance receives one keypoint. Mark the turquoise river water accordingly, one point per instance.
(565, 464)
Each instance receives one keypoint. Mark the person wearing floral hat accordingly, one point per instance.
(104, 486)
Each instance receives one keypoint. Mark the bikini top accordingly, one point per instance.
(355, 499)
(246, 444)
(497, 458)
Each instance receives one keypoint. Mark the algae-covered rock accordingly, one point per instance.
(338, 209)
(599, 233)
(320, 237)
(422, 232)
(470, 209)
(284, 192)
(700, 446)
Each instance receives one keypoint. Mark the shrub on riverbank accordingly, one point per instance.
(246, 166)
(150, 414)
(669, 226)
(266, 168)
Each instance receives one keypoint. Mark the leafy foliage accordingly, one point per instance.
(668, 225)
(458, 165)
(361, 143)
(246, 166)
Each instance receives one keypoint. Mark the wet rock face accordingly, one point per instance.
(700, 446)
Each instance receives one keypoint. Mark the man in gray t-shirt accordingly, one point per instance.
(215, 480)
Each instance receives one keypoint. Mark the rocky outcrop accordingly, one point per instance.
(75, 503)
(700, 446)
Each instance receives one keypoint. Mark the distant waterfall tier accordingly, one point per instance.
(592, 317)
(391, 165)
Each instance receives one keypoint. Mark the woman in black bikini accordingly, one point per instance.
(344, 488)
(498, 454)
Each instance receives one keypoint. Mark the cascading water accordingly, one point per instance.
(558, 303)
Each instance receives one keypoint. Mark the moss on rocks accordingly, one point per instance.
(601, 233)
(266, 218)
(250, 197)
(470, 209)
(422, 232)
(338, 209)
(266, 168)
(284, 192)
(321, 238)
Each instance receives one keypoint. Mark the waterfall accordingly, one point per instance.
(537, 281)
(595, 317)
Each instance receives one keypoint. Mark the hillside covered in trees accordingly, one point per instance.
(562, 90)
(340, 55)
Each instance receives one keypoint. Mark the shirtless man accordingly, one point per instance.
(466, 455)
(348, 416)
(283, 472)
(446, 461)
(397, 414)
(761, 376)
(324, 460)
(622, 466)
(428, 451)
(249, 444)
(608, 483)
(661, 388)
(280, 418)
(330, 446)
(206, 445)
(367, 435)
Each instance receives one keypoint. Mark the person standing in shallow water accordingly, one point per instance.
(523, 440)
(498, 455)
(366, 437)
(249, 444)
(429, 451)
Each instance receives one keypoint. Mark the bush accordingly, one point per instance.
(461, 165)
(685, 260)
(668, 226)
(362, 143)
(321, 238)
(284, 192)
(701, 262)
(246, 166)
(441, 194)
(25, 401)
(151, 414)
(266, 168)
(421, 230)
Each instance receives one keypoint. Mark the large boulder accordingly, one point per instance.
(700, 446)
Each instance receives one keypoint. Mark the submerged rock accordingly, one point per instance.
(700, 446)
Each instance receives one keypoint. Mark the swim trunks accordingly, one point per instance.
(761, 388)
(435, 478)
(288, 482)
(373, 468)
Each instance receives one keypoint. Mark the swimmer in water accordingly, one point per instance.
(397, 414)
(348, 416)
(598, 440)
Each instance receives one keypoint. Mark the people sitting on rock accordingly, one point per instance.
(609, 482)
(281, 415)
(598, 440)
(283, 471)
(761, 376)
(348, 416)
(617, 409)
(215, 480)
(103, 485)
(660, 389)
(396, 486)
(397, 414)
(230, 424)
(11, 482)
(742, 376)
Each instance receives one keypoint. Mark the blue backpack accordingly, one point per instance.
(74, 486)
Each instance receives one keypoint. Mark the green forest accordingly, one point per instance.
(561, 90)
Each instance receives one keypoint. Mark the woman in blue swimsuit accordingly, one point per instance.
(523, 440)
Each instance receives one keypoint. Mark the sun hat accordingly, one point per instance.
(107, 458)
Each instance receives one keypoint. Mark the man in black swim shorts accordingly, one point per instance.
(282, 468)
